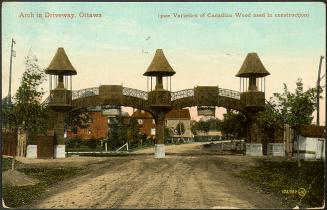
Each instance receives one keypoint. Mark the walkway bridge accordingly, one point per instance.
(123, 96)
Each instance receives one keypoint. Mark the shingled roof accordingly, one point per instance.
(179, 114)
(252, 66)
(312, 131)
(141, 114)
(159, 66)
(60, 64)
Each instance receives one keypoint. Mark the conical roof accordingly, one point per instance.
(252, 66)
(159, 66)
(60, 64)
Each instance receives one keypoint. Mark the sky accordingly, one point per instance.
(117, 47)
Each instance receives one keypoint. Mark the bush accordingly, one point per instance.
(92, 144)
(74, 142)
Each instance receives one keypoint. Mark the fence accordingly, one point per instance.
(9, 143)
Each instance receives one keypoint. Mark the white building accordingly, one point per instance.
(179, 117)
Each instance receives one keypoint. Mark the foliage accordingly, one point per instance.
(285, 175)
(77, 118)
(74, 142)
(180, 128)
(168, 133)
(205, 126)
(25, 195)
(6, 163)
(214, 124)
(92, 144)
(5, 112)
(133, 133)
(27, 111)
(117, 133)
(294, 109)
(234, 124)
(194, 127)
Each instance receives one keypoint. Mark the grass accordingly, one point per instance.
(6, 163)
(84, 149)
(24, 195)
(284, 177)
(102, 154)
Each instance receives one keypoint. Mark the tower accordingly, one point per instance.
(160, 97)
(60, 73)
(252, 87)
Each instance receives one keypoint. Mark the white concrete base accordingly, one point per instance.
(59, 151)
(276, 149)
(253, 149)
(31, 151)
(159, 151)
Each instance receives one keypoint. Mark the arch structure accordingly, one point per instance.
(118, 95)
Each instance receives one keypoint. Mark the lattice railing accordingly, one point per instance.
(46, 101)
(135, 93)
(229, 93)
(182, 94)
(85, 92)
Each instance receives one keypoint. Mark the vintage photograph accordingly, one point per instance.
(156, 105)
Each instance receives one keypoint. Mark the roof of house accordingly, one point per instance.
(252, 66)
(159, 66)
(312, 131)
(141, 114)
(179, 114)
(60, 64)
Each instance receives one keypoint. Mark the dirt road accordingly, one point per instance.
(178, 181)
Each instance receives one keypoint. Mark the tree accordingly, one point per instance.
(204, 126)
(234, 124)
(27, 111)
(180, 129)
(168, 133)
(294, 109)
(195, 127)
(214, 124)
(133, 135)
(77, 118)
(5, 112)
(117, 133)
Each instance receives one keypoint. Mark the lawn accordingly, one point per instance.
(24, 195)
(305, 185)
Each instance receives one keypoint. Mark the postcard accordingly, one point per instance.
(208, 105)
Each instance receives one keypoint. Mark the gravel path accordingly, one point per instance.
(178, 181)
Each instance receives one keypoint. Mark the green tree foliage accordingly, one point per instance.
(234, 124)
(206, 126)
(133, 133)
(27, 110)
(168, 133)
(214, 124)
(292, 108)
(194, 127)
(78, 118)
(5, 112)
(117, 133)
(180, 128)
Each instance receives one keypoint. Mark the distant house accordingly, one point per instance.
(180, 119)
(97, 128)
(173, 118)
(311, 143)
(146, 123)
